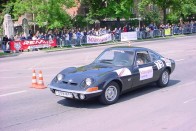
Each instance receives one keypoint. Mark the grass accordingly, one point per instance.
(4, 54)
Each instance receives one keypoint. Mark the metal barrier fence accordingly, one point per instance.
(140, 35)
(165, 32)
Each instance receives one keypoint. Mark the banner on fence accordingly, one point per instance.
(168, 31)
(125, 36)
(31, 44)
(98, 39)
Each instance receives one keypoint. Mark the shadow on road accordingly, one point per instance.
(145, 90)
(94, 104)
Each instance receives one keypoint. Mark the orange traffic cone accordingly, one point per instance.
(40, 84)
(34, 80)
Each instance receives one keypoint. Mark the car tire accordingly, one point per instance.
(164, 79)
(110, 94)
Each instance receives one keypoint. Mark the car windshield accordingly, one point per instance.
(116, 57)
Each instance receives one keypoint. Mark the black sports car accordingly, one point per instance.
(115, 71)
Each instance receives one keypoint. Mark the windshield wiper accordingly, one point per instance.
(106, 61)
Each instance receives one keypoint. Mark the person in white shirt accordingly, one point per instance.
(34, 37)
(67, 39)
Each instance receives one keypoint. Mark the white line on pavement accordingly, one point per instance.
(13, 93)
(190, 100)
(10, 77)
(46, 67)
(179, 60)
(13, 77)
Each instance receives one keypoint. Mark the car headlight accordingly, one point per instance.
(60, 77)
(88, 81)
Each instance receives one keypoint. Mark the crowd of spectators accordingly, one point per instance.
(77, 36)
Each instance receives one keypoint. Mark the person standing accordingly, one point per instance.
(74, 38)
(71, 37)
(5, 40)
(78, 37)
(67, 42)
(84, 36)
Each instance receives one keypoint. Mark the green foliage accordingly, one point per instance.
(153, 16)
(48, 13)
(52, 15)
(178, 8)
(161, 5)
(109, 8)
(173, 18)
(182, 9)
(6, 7)
(79, 21)
(26, 6)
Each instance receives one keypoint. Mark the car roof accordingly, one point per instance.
(128, 48)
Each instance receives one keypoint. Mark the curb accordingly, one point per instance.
(82, 47)
(122, 42)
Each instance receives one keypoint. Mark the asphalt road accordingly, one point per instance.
(148, 109)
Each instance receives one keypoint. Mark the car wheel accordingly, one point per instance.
(110, 94)
(164, 79)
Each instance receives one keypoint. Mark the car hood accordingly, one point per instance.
(93, 71)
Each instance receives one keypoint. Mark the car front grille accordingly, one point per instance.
(70, 83)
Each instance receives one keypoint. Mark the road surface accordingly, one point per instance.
(147, 109)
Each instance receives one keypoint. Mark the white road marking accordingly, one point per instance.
(11, 70)
(13, 77)
(179, 60)
(190, 100)
(10, 77)
(13, 93)
(46, 67)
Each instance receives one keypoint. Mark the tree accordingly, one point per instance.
(161, 4)
(182, 9)
(6, 7)
(49, 13)
(177, 7)
(109, 9)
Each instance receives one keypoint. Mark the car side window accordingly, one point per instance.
(142, 57)
(154, 56)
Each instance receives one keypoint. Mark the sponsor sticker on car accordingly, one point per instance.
(167, 62)
(159, 64)
(146, 73)
(123, 72)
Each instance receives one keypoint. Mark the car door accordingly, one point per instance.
(144, 70)
(158, 66)
(127, 58)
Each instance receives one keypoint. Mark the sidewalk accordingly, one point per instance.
(95, 45)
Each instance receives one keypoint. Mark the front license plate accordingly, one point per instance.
(64, 94)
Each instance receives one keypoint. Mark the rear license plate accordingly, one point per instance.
(64, 94)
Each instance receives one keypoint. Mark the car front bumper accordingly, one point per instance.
(73, 94)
